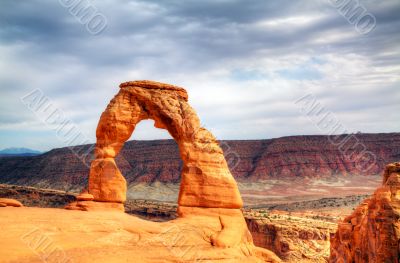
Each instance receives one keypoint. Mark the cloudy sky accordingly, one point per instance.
(243, 62)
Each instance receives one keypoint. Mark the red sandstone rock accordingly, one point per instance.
(84, 197)
(95, 206)
(233, 226)
(10, 202)
(106, 182)
(206, 179)
(372, 232)
(57, 235)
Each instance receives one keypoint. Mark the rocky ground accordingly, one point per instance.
(36, 197)
(292, 236)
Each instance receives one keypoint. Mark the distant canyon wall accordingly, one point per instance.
(249, 160)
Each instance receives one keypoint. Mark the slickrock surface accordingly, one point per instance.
(372, 232)
(250, 161)
(294, 236)
(31, 235)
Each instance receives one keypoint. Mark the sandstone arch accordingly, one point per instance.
(209, 200)
(205, 179)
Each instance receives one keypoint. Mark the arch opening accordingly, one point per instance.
(152, 163)
(146, 131)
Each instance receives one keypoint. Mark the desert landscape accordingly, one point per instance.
(200, 216)
(215, 131)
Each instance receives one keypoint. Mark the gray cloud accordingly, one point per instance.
(243, 62)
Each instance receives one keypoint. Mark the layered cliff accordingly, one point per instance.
(293, 237)
(372, 232)
(252, 160)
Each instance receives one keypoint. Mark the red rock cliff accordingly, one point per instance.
(372, 232)
(252, 160)
(149, 161)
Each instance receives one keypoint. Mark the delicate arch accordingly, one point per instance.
(205, 180)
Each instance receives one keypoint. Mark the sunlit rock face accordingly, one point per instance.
(372, 232)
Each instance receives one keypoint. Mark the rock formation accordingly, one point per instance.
(10, 202)
(206, 180)
(208, 193)
(372, 232)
